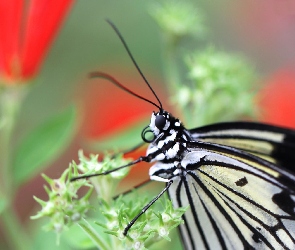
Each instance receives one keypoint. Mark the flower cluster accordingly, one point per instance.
(105, 185)
(179, 19)
(221, 79)
(151, 226)
(64, 207)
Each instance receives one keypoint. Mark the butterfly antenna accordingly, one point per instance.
(121, 86)
(134, 62)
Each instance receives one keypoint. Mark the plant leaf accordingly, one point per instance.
(43, 145)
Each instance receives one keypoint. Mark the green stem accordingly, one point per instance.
(170, 63)
(10, 101)
(13, 231)
(97, 240)
(171, 69)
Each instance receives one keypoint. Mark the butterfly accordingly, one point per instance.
(237, 178)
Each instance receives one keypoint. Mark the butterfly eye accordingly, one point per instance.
(160, 122)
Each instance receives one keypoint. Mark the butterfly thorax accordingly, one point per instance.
(168, 146)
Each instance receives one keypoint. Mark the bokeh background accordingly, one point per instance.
(264, 31)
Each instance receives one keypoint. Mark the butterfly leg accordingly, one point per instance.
(140, 159)
(131, 223)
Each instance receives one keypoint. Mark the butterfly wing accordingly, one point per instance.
(237, 200)
(272, 143)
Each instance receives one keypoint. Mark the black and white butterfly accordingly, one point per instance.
(238, 179)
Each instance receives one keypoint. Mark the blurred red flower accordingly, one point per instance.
(27, 30)
(108, 109)
(277, 99)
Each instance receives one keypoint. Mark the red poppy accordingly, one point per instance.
(277, 100)
(27, 29)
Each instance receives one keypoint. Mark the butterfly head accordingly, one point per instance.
(162, 122)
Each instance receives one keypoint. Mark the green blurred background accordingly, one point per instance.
(261, 30)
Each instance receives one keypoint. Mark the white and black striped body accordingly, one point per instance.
(237, 199)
